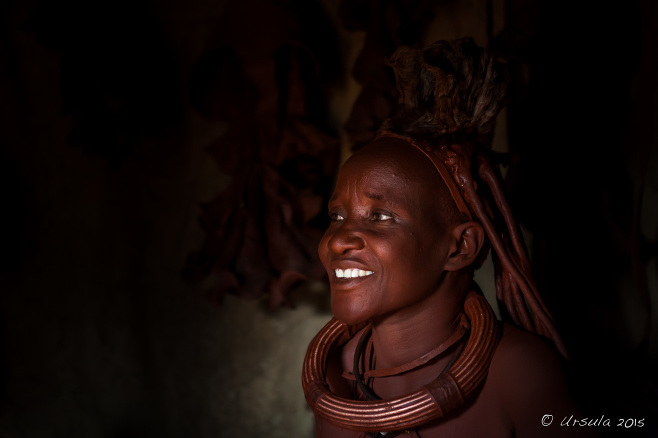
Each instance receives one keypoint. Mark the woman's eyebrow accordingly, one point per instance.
(372, 195)
(389, 198)
(376, 196)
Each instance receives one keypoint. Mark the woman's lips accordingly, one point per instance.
(346, 278)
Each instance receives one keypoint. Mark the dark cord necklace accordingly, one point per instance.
(371, 395)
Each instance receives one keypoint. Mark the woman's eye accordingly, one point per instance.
(334, 217)
(380, 217)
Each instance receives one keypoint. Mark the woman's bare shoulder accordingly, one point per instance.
(528, 376)
(525, 364)
(519, 350)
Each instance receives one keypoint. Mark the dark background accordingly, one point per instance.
(110, 138)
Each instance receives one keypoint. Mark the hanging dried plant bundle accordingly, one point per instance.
(281, 155)
(388, 24)
(450, 87)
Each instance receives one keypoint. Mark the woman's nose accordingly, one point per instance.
(345, 238)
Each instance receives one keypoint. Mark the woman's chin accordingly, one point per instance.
(350, 316)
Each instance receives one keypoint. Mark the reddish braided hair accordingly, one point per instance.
(450, 94)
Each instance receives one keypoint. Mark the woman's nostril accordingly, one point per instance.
(344, 240)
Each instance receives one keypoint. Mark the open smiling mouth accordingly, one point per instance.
(348, 274)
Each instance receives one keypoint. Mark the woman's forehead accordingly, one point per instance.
(377, 181)
(394, 159)
(396, 172)
(376, 170)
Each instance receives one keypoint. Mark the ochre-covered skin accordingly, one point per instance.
(389, 218)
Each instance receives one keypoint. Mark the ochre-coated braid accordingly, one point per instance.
(513, 262)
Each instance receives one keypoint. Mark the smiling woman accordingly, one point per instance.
(385, 222)
(414, 347)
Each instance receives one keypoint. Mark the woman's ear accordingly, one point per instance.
(467, 241)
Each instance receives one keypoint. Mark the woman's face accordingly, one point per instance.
(386, 246)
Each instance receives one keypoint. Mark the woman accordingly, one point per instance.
(414, 348)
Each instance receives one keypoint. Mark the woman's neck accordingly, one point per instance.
(416, 330)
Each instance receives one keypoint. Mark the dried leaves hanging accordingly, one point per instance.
(266, 75)
(263, 231)
(388, 24)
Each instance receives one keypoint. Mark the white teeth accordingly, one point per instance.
(352, 273)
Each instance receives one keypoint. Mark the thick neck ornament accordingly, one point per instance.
(432, 401)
